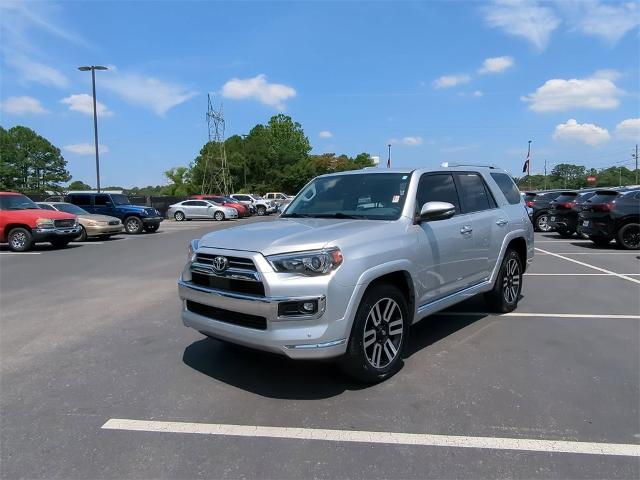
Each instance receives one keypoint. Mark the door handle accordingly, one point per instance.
(502, 222)
(466, 230)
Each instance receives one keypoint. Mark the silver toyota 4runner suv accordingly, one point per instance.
(357, 258)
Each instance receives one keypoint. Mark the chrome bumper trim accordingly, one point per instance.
(306, 346)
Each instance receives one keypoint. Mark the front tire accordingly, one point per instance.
(504, 296)
(542, 223)
(629, 236)
(20, 239)
(378, 336)
(261, 211)
(218, 216)
(83, 235)
(132, 225)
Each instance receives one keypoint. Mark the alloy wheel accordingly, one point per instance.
(383, 332)
(133, 225)
(543, 223)
(218, 216)
(631, 237)
(179, 216)
(19, 240)
(511, 281)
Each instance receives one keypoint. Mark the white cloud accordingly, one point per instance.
(608, 20)
(448, 81)
(85, 148)
(31, 71)
(408, 141)
(258, 88)
(83, 103)
(629, 128)
(148, 92)
(475, 94)
(523, 18)
(496, 65)
(325, 134)
(23, 106)
(587, 133)
(557, 95)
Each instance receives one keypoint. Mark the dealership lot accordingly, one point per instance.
(101, 380)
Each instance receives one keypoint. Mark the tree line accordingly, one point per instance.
(573, 177)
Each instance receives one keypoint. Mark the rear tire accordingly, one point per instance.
(378, 336)
(504, 296)
(20, 239)
(565, 233)
(600, 241)
(261, 211)
(178, 216)
(629, 236)
(541, 223)
(132, 225)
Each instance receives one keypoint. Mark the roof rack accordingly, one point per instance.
(453, 164)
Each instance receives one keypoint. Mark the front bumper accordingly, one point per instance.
(311, 337)
(151, 220)
(96, 230)
(49, 234)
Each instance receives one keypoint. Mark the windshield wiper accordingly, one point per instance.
(297, 215)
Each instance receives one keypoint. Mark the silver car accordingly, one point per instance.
(355, 259)
(200, 209)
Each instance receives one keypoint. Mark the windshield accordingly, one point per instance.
(70, 208)
(17, 202)
(372, 196)
(256, 197)
(120, 199)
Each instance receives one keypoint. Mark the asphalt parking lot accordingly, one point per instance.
(95, 360)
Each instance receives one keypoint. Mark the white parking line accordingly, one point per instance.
(87, 243)
(393, 438)
(546, 315)
(579, 274)
(590, 266)
(20, 253)
(592, 253)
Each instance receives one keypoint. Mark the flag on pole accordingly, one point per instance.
(527, 162)
(389, 162)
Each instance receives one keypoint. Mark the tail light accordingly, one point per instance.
(529, 203)
(603, 207)
(567, 205)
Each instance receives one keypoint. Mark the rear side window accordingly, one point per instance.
(82, 200)
(474, 194)
(508, 188)
(437, 188)
(101, 200)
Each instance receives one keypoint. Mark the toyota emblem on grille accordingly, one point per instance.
(220, 264)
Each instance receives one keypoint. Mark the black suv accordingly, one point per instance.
(564, 210)
(612, 215)
(540, 202)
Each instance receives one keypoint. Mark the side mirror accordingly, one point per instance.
(432, 211)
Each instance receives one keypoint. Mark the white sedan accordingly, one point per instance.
(190, 209)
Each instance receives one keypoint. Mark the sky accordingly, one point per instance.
(465, 82)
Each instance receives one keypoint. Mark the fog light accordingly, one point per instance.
(309, 306)
(295, 309)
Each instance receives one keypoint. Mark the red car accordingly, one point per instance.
(23, 223)
(243, 211)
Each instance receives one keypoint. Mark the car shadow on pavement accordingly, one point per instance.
(276, 376)
(267, 374)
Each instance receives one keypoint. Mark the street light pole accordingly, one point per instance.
(93, 69)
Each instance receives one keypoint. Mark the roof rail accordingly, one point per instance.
(453, 164)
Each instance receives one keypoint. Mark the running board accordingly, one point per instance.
(451, 299)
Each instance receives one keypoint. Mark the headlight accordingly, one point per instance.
(193, 247)
(317, 262)
(93, 222)
(45, 223)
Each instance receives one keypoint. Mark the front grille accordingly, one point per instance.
(228, 284)
(66, 223)
(227, 316)
(114, 222)
(151, 211)
(234, 262)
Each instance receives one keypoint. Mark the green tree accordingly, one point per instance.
(179, 178)
(79, 185)
(30, 163)
(567, 175)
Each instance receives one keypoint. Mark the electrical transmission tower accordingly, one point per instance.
(216, 178)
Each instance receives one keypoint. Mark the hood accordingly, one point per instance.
(97, 218)
(133, 208)
(290, 234)
(33, 214)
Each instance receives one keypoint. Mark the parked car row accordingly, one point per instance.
(221, 207)
(602, 216)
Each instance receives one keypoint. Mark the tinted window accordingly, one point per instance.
(242, 198)
(603, 197)
(508, 188)
(101, 200)
(84, 200)
(567, 197)
(68, 208)
(17, 202)
(190, 203)
(584, 197)
(437, 188)
(473, 193)
(200, 203)
(120, 199)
